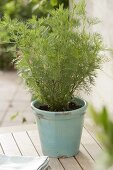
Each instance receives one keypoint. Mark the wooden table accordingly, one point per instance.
(24, 140)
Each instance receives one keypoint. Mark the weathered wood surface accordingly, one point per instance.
(24, 140)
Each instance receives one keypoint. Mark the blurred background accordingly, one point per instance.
(23, 10)
(14, 97)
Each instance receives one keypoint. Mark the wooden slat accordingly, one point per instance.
(90, 144)
(34, 136)
(8, 144)
(54, 163)
(90, 127)
(70, 164)
(25, 145)
(84, 159)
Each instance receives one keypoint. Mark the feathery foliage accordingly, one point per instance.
(23, 9)
(58, 53)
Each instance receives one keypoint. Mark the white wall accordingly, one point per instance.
(103, 9)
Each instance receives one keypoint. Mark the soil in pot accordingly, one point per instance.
(70, 106)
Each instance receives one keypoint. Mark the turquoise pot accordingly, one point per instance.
(60, 132)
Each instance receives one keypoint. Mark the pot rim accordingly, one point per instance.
(76, 111)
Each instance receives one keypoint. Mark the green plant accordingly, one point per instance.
(104, 127)
(23, 9)
(6, 53)
(58, 54)
(6, 57)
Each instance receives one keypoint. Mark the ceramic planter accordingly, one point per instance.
(60, 132)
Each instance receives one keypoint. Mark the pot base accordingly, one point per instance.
(61, 156)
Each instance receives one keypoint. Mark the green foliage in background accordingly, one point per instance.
(104, 126)
(58, 55)
(23, 9)
(6, 57)
(6, 53)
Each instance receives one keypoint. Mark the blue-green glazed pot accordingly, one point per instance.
(60, 132)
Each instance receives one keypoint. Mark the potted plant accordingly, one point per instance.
(58, 57)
